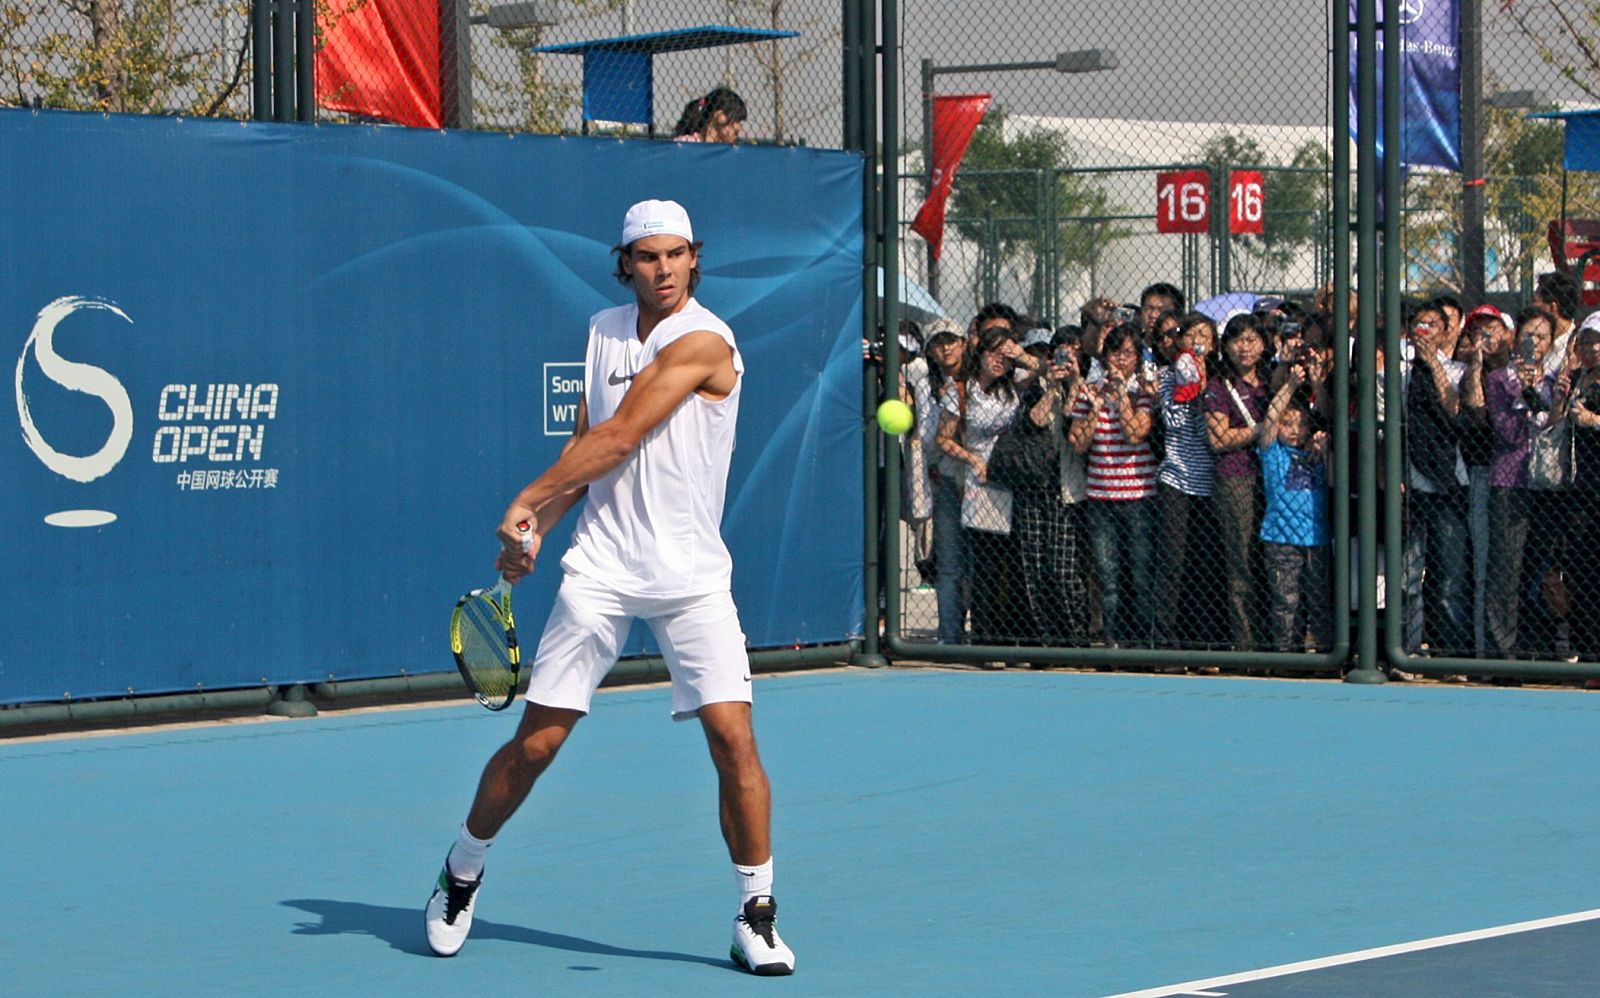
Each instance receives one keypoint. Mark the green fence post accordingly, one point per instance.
(1366, 668)
(261, 60)
(889, 229)
(1394, 409)
(872, 244)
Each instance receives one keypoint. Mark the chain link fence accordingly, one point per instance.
(188, 57)
(616, 67)
(1103, 182)
(1492, 502)
(1141, 229)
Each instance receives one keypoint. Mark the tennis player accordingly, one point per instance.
(649, 460)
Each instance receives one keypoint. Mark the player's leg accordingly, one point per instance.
(512, 770)
(703, 646)
(581, 641)
(744, 795)
(504, 785)
(745, 803)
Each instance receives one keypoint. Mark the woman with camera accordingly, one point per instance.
(1236, 403)
(946, 351)
(1517, 399)
(1183, 484)
(1047, 498)
(1111, 421)
(976, 411)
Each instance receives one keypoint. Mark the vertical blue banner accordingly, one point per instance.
(1430, 84)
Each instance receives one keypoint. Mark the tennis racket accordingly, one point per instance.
(483, 638)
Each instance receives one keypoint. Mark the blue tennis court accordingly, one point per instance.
(938, 832)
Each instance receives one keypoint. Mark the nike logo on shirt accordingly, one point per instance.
(619, 379)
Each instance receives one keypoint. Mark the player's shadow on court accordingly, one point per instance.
(401, 928)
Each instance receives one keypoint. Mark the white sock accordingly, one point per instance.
(753, 880)
(466, 856)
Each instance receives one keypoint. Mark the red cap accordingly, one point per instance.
(1488, 312)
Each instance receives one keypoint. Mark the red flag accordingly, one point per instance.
(381, 59)
(955, 119)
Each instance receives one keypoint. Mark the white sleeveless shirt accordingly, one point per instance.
(651, 526)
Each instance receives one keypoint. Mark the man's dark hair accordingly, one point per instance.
(1560, 290)
(1318, 330)
(1165, 290)
(997, 310)
(1421, 307)
(1533, 312)
(623, 277)
(1448, 301)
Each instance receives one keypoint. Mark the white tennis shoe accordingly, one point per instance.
(756, 946)
(449, 913)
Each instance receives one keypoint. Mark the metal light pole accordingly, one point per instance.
(1081, 61)
(455, 47)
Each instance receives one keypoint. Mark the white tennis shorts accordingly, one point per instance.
(699, 636)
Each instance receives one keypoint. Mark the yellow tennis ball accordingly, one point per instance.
(894, 416)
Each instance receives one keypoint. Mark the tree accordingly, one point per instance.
(1296, 198)
(779, 59)
(1564, 32)
(530, 101)
(1012, 198)
(1522, 196)
(131, 56)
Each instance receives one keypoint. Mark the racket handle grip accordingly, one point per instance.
(525, 531)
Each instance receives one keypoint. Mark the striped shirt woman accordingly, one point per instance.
(1111, 424)
(1118, 469)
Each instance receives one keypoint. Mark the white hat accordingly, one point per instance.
(1591, 321)
(656, 218)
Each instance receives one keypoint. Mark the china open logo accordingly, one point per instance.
(77, 377)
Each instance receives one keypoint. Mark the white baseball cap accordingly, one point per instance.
(1591, 321)
(656, 218)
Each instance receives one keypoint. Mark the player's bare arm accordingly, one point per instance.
(517, 563)
(698, 362)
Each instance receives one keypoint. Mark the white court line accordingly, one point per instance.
(1200, 987)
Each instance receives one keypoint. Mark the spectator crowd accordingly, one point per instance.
(1153, 476)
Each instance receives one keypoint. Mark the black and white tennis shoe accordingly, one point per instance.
(756, 946)
(449, 913)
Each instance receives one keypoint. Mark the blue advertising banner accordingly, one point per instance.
(275, 384)
(1430, 84)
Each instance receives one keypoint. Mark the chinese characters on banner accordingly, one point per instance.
(227, 478)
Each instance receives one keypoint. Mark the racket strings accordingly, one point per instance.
(484, 649)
